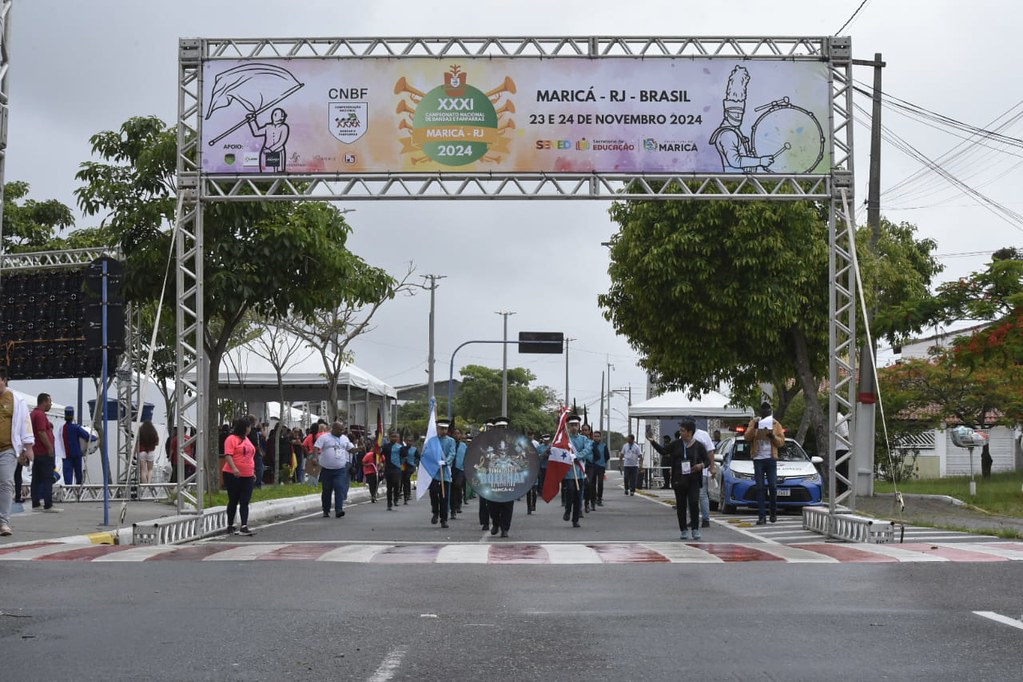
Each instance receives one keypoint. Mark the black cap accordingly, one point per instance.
(574, 419)
(443, 423)
(500, 421)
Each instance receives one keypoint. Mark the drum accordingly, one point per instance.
(792, 135)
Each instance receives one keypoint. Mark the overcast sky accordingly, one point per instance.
(80, 67)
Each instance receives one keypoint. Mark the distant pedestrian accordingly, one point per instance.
(16, 442)
(332, 451)
(501, 512)
(766, 435)
(708, 471)
(632, 459)
(148, 440)
(74, 438)
(43, 455)
(575, 480)
(371, 463)
(596, 470)
(408, 467)
(665, 465)
(239, 473)
(393, 453)
(458, 474)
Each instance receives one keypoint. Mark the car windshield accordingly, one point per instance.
(790, 452)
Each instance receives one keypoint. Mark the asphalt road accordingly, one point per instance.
(265, 620)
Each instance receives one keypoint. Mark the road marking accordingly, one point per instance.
(390, 665)
(39, 552)
(897, 552)
(246, 552)
(572, 554)
(681, 553)
(463, 554)
(796, 555)
(354, 553)
(999, 618)
(140, 553)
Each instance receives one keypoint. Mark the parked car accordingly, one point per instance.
(799, 481)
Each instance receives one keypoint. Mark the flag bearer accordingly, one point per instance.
(575, 480)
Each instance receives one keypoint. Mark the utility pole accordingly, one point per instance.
(433, 288)
(609, 368)
(566, 370)
(504, 370)
(600, 420)
(861, 464)
(5, 50)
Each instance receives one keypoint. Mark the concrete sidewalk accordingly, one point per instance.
(79, 521)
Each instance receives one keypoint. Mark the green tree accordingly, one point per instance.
(734, 293)
(271, 259)
(479, 399)
(31, 225)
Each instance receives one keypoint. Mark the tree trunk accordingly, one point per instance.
(808, 382)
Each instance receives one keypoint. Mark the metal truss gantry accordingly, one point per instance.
(195, 188)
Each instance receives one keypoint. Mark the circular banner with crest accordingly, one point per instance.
(501, 465)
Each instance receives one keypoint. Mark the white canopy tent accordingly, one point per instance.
(713, 405)
(358, 390)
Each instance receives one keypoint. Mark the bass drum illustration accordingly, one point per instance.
(791, 134)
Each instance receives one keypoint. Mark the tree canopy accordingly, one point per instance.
(736, 293)
(272, 259)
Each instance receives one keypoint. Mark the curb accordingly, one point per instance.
(260, 512)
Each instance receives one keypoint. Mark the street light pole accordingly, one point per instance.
(504, 366)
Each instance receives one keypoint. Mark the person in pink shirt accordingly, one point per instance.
(239, 474)
(371, 472)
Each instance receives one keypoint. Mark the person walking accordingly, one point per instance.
(688, 458)
(632, 459)
(501, 512)
(440, 489)
(708, 471)
(43, 455)
(575, 480)
(148, 440)
(72, 436)
(601, 455)
(665, 465)
(371, 473)
(393, 452)
(408, 467)
(458, 474)
(332, 451)
(766, 435)
(16, 441)
(239, 474)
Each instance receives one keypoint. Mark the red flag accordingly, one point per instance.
(561, 459)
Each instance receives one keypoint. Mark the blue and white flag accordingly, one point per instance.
(433, 455)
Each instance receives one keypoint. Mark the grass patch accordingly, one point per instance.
(272, 492)
(1001, 494)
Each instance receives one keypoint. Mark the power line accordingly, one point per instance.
(850, 19)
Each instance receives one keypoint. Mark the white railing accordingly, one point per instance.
(848, 526)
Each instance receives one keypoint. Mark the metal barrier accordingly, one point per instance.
(848, 526)
(93, 492)
(174, 529)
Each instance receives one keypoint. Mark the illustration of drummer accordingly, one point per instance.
(737, 156)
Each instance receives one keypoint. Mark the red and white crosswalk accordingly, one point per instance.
(525, 553)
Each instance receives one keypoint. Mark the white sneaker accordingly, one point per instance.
(5, 530)
(52, 510)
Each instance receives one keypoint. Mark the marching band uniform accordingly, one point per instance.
(458, 478)
(392, 470)
(408, 467)
(440, 490)
(501, 512)
(595, 474)
(575, 480)
(484, 503)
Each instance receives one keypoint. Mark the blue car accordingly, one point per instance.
(799, 482)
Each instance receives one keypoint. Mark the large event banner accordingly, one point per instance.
(515, 115)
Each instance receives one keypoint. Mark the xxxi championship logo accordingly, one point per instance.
(454, 124)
